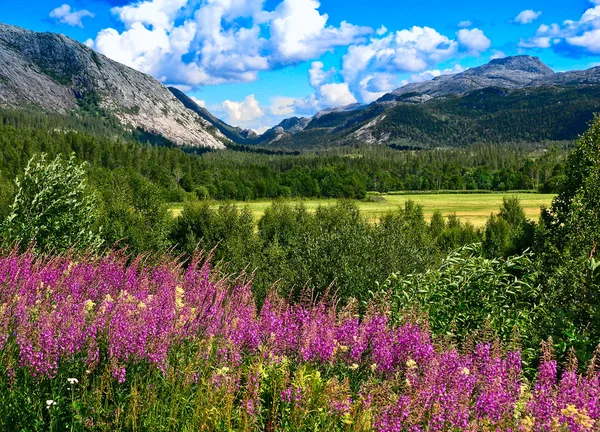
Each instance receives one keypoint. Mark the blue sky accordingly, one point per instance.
(256, 62)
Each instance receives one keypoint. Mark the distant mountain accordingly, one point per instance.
(237, 135)
(56, 73)
(514, 99)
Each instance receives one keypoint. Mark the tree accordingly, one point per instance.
(568, 244)
(53, 208)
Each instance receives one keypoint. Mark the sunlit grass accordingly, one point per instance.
(473, 208)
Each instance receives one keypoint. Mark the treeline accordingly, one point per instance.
(179, 175)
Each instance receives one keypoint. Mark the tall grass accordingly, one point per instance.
(112, 344)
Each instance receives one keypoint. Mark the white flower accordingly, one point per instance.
(50, 403)
(73, 381)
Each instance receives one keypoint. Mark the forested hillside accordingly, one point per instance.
(180, 175)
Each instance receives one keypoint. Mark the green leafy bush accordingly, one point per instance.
(469, 292)
(53, 209)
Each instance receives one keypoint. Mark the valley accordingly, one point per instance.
(468, 207)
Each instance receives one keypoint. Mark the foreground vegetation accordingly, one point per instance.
(98, 344)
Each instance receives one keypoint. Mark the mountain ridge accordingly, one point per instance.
(58, 74)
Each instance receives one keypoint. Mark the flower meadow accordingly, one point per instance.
(116, 343)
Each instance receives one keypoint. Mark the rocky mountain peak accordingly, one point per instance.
(523, 63)
(61, 75)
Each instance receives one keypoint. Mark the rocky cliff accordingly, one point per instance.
(59, 74)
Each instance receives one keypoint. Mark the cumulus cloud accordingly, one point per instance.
(410, 50)
(474, 40)
(218, 41)
(336, 95)
(198, 102)
(497, 55)
(66, 15)
(527, 16)
(243, 113)
(317, 76)
(300, 32)
(571, 38)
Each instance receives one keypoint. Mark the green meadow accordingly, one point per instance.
(469, 207)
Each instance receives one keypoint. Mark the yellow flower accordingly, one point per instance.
(465, 371)
(411, 364)
(373, 367)
(179, 297)
(354, 366)
(89, 305)
(528, 423)
(580, 417)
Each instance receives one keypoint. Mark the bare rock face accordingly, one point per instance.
(59, 74)
(508, 73)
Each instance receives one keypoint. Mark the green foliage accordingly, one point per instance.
(300, 252)
(568, 241)
(53, 208)
(135, 214)
(509, 232)
(469, 292)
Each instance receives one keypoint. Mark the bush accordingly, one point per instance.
(53, 208)
(509, 232)
(469, 292)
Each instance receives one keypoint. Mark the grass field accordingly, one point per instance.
(475, 208)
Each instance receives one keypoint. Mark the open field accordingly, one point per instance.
(474, 208)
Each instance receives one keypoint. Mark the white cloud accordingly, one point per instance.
(243, 113)
(300, 32)
(497, 55)
(374, 86)
(64, 14)
(282, 106)
(382, 30)
(465, 24)
(571, 37)
(210, 42)
(412, 50)
(317, 76)
(336, 95)
(199, 102)
(527, 16)
(474, 40)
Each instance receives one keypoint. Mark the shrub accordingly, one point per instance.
(469, 292)
(53, 208)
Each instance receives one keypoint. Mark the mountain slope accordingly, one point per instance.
(516, 99)
(58, 74)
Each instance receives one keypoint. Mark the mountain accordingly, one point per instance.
(58, 74)
(514, 99)
(507, 73)
(235, 134)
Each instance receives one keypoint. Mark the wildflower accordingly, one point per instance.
(465, 371)
(528, 424)
(50, 403)
(179, 297)
(411, 364)
(73, 381)
(89, 305)
(579, 417)
(373, 367)
(354, 366)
